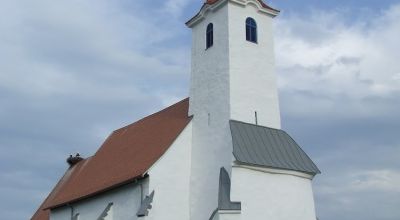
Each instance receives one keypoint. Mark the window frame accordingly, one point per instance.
(209, 35)
(251, 30)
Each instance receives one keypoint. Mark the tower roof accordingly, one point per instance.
(263, 4)
(125, 156)
(210, 3)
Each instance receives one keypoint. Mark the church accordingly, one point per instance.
(218, 155)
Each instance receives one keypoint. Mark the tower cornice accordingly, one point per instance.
(212, 5)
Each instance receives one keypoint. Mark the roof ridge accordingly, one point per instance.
(153, 114)
(255, 125)
(59, 183)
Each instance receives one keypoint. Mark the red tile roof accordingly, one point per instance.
(124, 157)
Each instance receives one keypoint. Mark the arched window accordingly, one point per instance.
(251, 30)
(209, 35)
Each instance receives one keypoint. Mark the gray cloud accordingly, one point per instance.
(71, 72)
(340, 102)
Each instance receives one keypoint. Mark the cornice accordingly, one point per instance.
(206, 8)
(274, 170)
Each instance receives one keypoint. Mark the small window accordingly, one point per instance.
(209, 35)
(251, 30)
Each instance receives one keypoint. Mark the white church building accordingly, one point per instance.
(218, 155)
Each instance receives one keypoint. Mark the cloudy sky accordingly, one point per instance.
(73, 71)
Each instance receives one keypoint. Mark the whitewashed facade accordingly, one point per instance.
(233, 79)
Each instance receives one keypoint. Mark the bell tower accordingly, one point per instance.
(233, 62)
(232, 78)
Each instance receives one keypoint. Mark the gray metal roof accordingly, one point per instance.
(268, 147)
(146, 205)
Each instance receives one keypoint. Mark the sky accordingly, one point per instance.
(73, 71)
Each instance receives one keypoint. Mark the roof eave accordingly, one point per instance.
(129, 181)
(203, 11)
(262, 7)
(278, 170)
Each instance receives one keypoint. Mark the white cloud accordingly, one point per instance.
(325, 54)
(339, 91)
(48, 51)
(176, 7)
(362, 181)
(367, 194)
(376, 180)
(396, 76)
(70, 73)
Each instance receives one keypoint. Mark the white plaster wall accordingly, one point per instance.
(216, 217)
(60, 214)
(272, 196)
(229, 216)
(209, 103)
(252, 67)
(126, 201)
(210, 67)
(230, 80)
(169, 178)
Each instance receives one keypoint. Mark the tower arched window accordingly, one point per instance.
(210, 35)
(251, 30)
